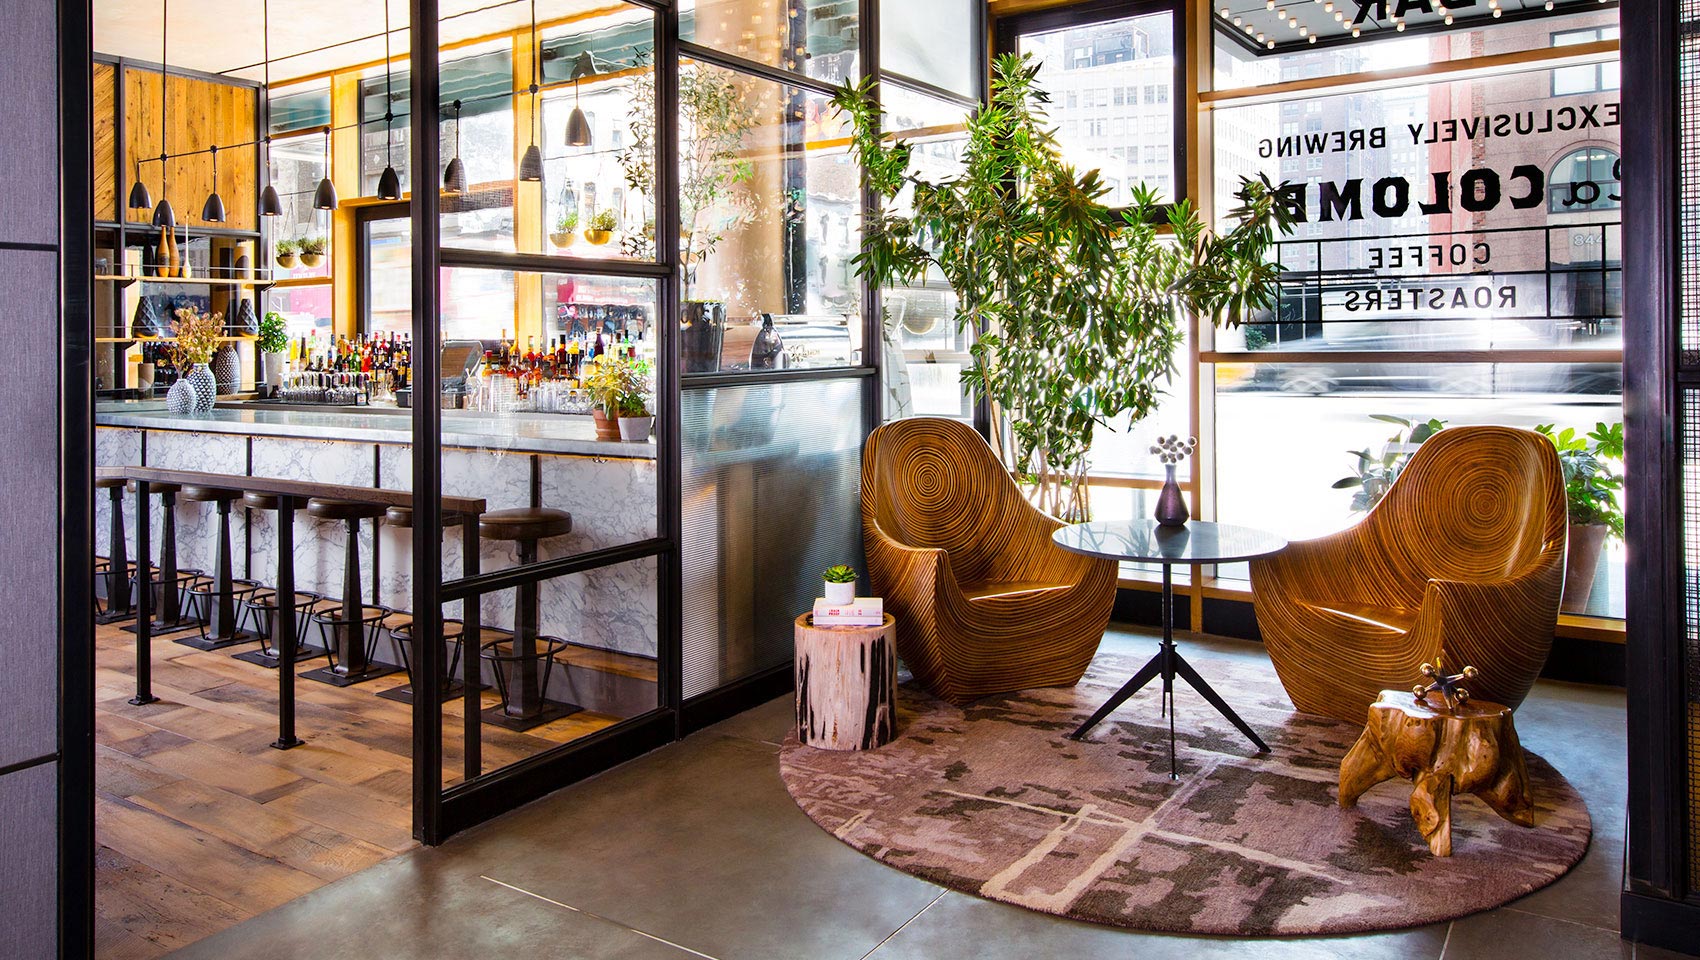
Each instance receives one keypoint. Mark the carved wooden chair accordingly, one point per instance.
(1464, 554)
(984, 601)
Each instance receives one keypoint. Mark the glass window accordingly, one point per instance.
(299, 107)
(482, 82)
(599, 198)
(816, 38)
(476, 304)
(1078, 65)
(1586, 179)
(770, 218)
(934, 41)
(297, 166)
(1587, 78)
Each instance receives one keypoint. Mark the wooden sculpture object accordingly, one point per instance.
(1443, 744)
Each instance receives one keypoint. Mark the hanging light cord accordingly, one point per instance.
(266, 52)
(536, 72)
(389, 95)
(165, 99)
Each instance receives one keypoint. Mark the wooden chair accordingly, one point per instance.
(1465, 554)
(985, 602)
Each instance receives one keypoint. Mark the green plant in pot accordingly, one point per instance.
(1590, 491)
(1078, 308)
(601, 228)
(840, 580)
(312, 251)
(1373, 475)
(622, 388)
(566, 229)
(274, 347)
(284, 252)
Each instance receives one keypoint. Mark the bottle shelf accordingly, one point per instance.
(125, 280)
(232, 338)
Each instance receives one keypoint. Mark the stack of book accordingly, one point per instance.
(860, 612)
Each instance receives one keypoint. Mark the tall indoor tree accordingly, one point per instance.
(1078, 308)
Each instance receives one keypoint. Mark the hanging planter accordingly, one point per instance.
(601, 228)
(284, 253)
(312, 251)
(566, 230)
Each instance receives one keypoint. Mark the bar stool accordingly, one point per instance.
(523, 687)
(215, 599)
(350, 629)
(115, 576)
(260, 607)
(168, 609)
(454, 631)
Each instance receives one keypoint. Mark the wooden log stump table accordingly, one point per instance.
(1473, 749)
(846, 685)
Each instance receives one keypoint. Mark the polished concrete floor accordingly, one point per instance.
(697, 850)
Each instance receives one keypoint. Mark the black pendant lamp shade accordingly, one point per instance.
(578, 125)
(454, 175)
(270, 204)
(389, 185)
(213, 210)
(140, 198)
(324, 198)
(163, 215)
(531, 163)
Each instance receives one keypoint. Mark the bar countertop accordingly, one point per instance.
(517, 433)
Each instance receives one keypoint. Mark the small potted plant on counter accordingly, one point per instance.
(312, 251)
(274, 347)
(840, 584)
(566, 226)
(1590, 493)
(601, 228)
(622, 388)
(285, 253)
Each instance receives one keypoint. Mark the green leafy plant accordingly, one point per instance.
(1373, 475)
(567, 222)
(714, 116)
(622, 386)
(1590, 485)
(312, 246)
(604, 220)
(287, 248)
(274, 337)
(839, 573)
(1078, 308)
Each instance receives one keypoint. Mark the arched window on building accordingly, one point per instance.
(1584, 179)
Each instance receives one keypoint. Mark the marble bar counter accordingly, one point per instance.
(609, 487)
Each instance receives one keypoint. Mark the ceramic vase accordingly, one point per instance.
(1171, 505)
(705, 326)
(204, 386)
(274, 367)
(227, 369)
(181, 398)
(635, 428)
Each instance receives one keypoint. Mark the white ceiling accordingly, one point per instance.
(307, 36)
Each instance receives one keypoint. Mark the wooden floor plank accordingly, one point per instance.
(144, 913)
(123, 775)
(359, 813)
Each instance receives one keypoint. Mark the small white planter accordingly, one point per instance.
(273, 365)
(635, 428)
(839, 593)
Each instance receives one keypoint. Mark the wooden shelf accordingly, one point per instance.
(195, 281)
(301, 282)
(233, 338)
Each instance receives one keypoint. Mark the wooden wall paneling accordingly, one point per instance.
(106, 187)
(202, 113)
(345, 174)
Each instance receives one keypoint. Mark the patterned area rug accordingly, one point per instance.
(994, 800)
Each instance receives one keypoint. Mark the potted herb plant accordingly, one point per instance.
(602, 226)
(1590, 493)
(312, 251)
(1082, 306)
(566, 229)
(284, 252)
(840, 582)
(274, 347)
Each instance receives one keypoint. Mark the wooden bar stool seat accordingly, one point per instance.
(114, 572)
(351, 629)
(215, 600)
(524, 663)
(168, 582)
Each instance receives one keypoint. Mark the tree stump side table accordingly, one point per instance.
(846, 685)
(1474, 750)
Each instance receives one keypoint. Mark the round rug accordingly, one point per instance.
(993, 800)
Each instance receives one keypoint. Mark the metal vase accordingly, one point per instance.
(699, 343)
(1171, 505)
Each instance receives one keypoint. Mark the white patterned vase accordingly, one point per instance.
(227, 369)
(205, 386)
(181, 398)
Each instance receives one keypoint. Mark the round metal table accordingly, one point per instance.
(1198, 541)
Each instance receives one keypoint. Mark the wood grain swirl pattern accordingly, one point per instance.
(1464, 554)
(985, 602)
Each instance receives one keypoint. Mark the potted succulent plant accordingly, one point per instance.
(601, 228)
(312, 251)
(274, 347)
(284, 252)
(1590, 493)
(566, 227)
(840, 583)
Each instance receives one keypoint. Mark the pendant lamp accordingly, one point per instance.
(454, 176)
(324, 198)
(531, 164)
(213, 210)
(140, 198)
(389, 183)
(578, 126)
(270, 205)
(163, 215)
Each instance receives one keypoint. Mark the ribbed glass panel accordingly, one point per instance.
(1691, 625)
(772, 487)
(1688, 92)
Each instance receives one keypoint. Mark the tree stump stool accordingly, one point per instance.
(846, 685)
(1473, 750)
